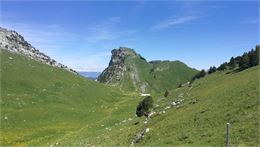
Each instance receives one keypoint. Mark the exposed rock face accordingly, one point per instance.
(14, 42)
(115, 71)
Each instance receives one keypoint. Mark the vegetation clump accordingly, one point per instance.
(247, 60)
(212, 70)
(166, 93)
(144, 107)
(201, 74)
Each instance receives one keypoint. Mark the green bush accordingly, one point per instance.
(144, 107)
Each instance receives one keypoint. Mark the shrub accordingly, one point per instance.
(223, 66)
(201, 74)
(232, 63)
(144, 106)
(166, 93)
(212, 70)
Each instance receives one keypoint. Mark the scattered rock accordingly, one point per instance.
(168, 107)
(145, 94)
(151, 114)
(147, 130)
(173, 104)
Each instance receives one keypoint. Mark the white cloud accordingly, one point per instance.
(107, 31)
(174, 21)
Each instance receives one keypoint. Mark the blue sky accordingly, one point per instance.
(82, 34)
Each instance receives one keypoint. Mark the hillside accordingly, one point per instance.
(43, 105)
(132, 72)
(197, 115)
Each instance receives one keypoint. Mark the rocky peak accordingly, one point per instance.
(14, 42)
(119, 55)
(115, 71)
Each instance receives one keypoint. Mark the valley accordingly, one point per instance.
(71, 110)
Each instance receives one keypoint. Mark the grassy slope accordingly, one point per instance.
(175, 73)
(220, 97)
(45, 105)
(166, 75)
(71, 110)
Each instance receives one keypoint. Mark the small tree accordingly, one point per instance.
(257, 54)
(166, 93)
(223, 66)
(254, 56)
(144, 106)
(244, 61)
(201, 74)
(232, 63)
(212, 70)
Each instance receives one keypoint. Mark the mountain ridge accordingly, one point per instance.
(14, 42)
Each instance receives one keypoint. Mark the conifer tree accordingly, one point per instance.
(223, 66)
(244, 61)
(232, 63)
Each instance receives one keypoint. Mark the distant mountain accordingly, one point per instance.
(131, 71)
(90, 75)
(15, 43)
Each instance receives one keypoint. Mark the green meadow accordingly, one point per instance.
(47, 106)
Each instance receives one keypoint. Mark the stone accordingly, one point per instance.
(147, 130)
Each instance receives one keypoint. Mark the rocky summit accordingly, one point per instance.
(131, 71)
(115, 71)
(14, 42)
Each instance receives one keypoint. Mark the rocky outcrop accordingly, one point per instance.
(14, 42)
(131, 72)
(116, 68)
